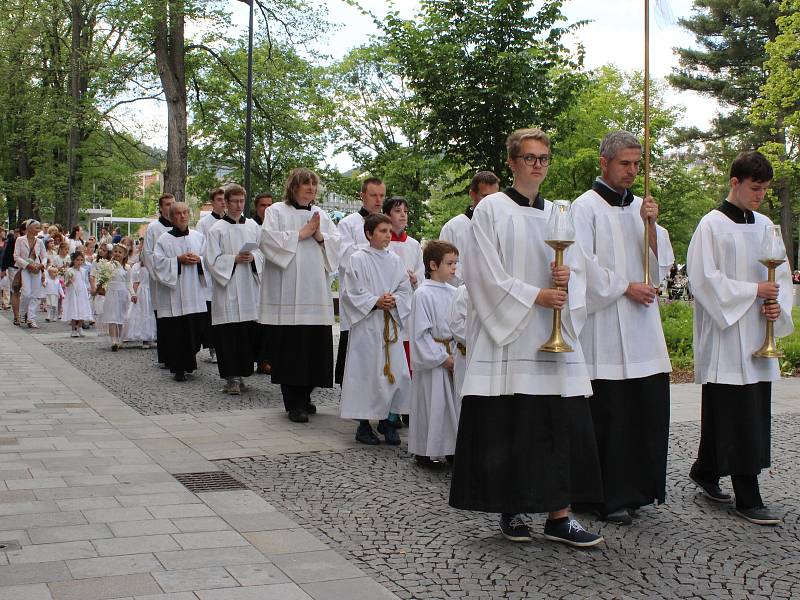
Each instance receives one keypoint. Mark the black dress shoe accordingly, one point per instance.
(180, 376)
(298, 415)
(711, 489)
(311, 409)
(620, 517)
(760, 516)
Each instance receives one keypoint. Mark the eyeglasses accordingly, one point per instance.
(532, 159)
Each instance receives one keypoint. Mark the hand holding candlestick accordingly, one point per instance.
(560, 236)
(773, 255)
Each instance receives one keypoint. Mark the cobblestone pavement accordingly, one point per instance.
(391, 518)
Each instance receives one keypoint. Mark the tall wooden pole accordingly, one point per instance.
(646, 253)
(248, 136)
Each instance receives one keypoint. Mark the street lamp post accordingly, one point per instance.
(248, 143)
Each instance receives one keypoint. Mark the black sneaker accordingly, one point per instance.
(365, 435)
(569, 531)
(710, 488)
(179, 376)
(514, 528)
(390, 433)
(760, 516)
(311, 408)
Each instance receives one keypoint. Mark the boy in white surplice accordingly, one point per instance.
(434, 407)
(377, 296)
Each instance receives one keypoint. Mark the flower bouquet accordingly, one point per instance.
(104, 270)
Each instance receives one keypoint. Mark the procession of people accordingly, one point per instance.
(445, 336)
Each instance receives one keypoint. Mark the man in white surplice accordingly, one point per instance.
(217, 199)
(151, 235)
(378, 298)
(178, 266)
(730, 288)
(352, 238)
(525, 440)
(234, 262)
(455, 230)
(623, 340)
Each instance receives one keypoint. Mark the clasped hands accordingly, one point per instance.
(555, 298)
(311, 229)
(189, 258)
(386, 302)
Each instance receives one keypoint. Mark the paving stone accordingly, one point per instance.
(176, 511)
(172, 596)
(158, 499)
(284, 541)
(47, 535)
(88, 503)
(210, 539)
(110, 515)
(194, 524)
(349, 589)
(26, 508)
(135, 545)
(51, 552)
(213, 557)
(34, 573)
(34, 591)
(279, 591)
(259, 574)
(325, 565)
(261, 522)
(150, 527)
(195, 579)
(104, 588)
(113, 565)
(242, 502)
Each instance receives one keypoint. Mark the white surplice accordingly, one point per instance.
(185, 285)
(351, 238)
(294, 282)
(506, 264)
(434, 408)
(457, 321)
(236, 287)
(410, 252)
(456, 232)
(724, 273)
(204, 225)
(154, 231)
(622, 339)
(367, 392)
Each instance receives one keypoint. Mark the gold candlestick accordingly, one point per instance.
(769, 348)
(556, 342)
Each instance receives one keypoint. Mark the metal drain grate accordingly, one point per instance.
(212, 481)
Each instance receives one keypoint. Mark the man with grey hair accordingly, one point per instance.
(622, 339)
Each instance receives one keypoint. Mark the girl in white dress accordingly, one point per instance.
(141, 325)
(118, 295)
(76, 300)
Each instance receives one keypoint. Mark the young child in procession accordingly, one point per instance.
(410, 252)
(377, 295)
(434, 407)
(77, 308)
(141, 323)
(118, 295)
(53, 292)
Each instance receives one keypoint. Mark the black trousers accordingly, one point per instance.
(341, 357)
(296, 397)
(735, 437)
(160, 343)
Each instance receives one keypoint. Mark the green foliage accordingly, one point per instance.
(481, 69)
(676, 319)
(291, 111)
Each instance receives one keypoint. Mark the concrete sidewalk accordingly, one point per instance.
(90, 510)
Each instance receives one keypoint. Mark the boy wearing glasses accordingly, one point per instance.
(623, 340)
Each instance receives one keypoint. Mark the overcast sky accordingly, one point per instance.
(614, 35)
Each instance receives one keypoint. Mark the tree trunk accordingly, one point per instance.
(784, 194)
(170, 53)
(25, 205)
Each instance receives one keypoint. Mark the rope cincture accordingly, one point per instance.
(387, 341)
(461, 348)
(446, 343)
